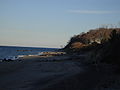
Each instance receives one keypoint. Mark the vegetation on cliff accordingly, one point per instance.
(109, 51)
(90, 40)
(101, 45)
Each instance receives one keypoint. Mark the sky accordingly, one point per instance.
(51, 23)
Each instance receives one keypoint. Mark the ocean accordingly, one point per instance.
(14, 51)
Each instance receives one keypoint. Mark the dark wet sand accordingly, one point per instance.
(35, 70)
(53, 73)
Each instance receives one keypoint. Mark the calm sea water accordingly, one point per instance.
(6, 51)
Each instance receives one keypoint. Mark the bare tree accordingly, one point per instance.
(104, 26)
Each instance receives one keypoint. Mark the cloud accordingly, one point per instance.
(92, 12)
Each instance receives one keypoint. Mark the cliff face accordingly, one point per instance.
(93, 36)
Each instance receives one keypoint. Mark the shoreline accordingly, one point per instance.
(42, 54)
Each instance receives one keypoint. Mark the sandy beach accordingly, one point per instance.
(54, 73)
(36, 70)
